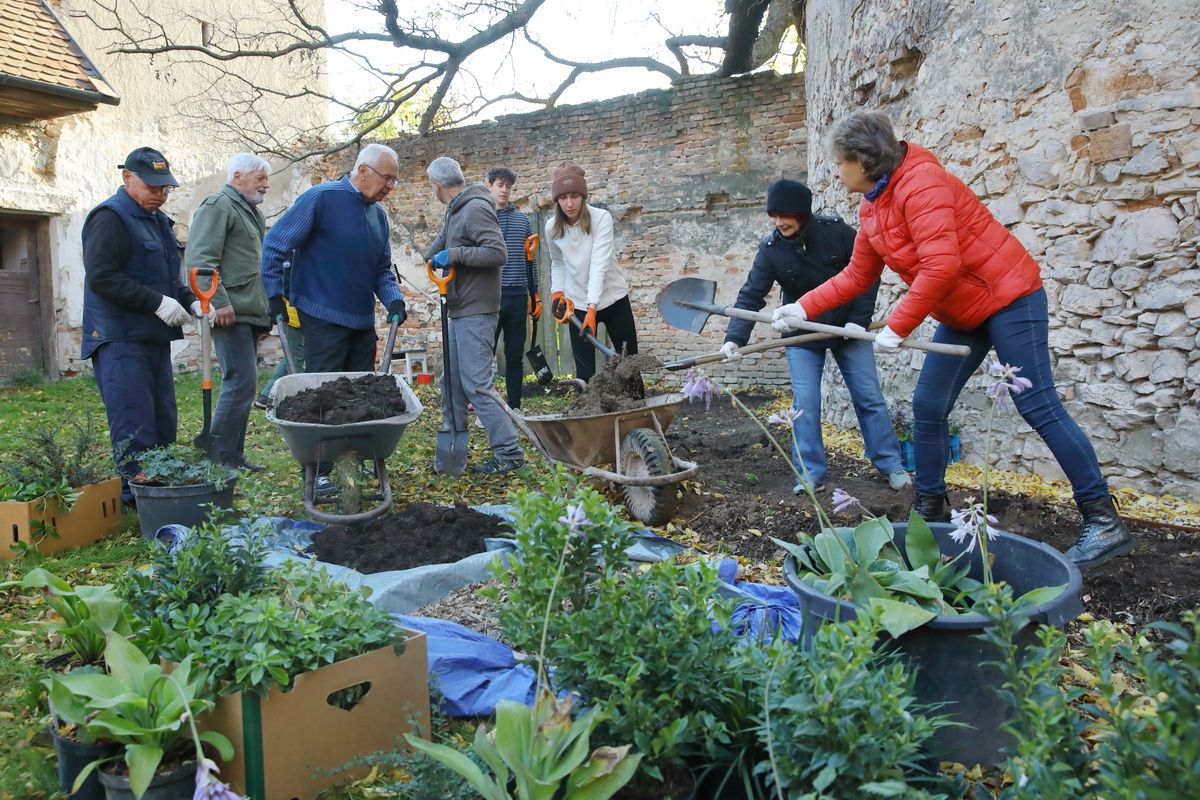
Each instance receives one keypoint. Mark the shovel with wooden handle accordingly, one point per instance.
(450, 457)
(694, 361)
(205, 297)
(535, 356)
(688, 303)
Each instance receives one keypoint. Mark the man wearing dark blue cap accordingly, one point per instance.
(134, 302)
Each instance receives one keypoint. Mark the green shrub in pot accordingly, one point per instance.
(181, 465)
(84, 615)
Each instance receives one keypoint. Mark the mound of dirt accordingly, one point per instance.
(412, 536)
(616, 387)
(345, 400)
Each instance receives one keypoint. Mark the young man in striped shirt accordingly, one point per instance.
(518, 282)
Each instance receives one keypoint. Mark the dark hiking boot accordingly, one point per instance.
(932, 507)
(1104, 535)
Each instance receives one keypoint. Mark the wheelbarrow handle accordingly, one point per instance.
(281, 329)
(390, 346)
(789, 341)
(205, 296)
(442, 281)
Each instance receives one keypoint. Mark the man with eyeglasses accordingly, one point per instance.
(134, 304)
(336, 238)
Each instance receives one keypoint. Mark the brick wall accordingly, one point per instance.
(684, 172)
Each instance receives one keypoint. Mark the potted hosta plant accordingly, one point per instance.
(179, 485)
(141, 707)
(58, 489)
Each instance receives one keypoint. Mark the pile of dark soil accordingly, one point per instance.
(747, 498)
(345, 400)
(616, 387)
(412, 536)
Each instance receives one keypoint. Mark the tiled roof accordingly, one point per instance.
(34, 45)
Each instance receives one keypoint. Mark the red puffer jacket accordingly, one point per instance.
(960, 264)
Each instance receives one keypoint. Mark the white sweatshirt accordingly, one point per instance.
(584, 266)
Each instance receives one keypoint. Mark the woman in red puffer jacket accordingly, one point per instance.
(968, 272)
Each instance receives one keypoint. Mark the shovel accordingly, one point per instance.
(599, 345)
(535, 356)
(685, 363)
(205, 297)
(688, 303)
(450, 457)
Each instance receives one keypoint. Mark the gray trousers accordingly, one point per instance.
(237, 348)
(474, 370)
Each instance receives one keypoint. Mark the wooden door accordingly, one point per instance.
(21, 334)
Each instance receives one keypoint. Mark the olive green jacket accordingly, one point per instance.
(227, 235)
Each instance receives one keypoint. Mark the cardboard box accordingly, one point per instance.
(95, 514)
(303, 736)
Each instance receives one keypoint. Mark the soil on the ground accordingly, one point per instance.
(748, 499)
(618, 386)
(411, 536)
(345, 400)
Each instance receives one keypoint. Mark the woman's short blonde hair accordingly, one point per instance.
(867, 138)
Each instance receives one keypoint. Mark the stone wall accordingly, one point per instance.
(684, 172)
(1079, 125)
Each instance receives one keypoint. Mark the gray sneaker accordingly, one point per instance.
(803, 486)
(498, 466)
(324, 488)
(899, 480)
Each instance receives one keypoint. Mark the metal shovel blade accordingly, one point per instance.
(450, 458)
(690, 290)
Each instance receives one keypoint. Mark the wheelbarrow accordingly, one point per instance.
(632, 441)
(314, 443)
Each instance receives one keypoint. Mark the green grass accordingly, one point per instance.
(27, 762)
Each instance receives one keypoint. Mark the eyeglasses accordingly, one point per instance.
(389, 180)
(163, 190)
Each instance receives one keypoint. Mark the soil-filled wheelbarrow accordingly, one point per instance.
(632, 441)
(314, 443)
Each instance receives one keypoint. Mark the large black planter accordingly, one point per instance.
(179, 784)
(178, 505)
(946, 653)
(73, 756)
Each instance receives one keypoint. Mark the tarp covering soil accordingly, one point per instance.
(616, 387)
(411, 536)
(345, 400)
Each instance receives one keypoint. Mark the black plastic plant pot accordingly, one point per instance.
(948, 657)
(178, 784)
(178, 505)
(73, 756)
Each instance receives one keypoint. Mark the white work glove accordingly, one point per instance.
(197, 313)
(852, 326)
(887, 341)
(730, 351)
(788, 317)
(170, 312)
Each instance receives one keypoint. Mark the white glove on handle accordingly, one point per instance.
(887, 341)
(788, 317)
(730, 351)
(852, 326)
(197, 313)
(170, 312)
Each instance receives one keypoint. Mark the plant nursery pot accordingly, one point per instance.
(424, 378)
(955, 448)
(177, 505)
(73, 756)
(908, 458)
(950, 660)
(178, 784)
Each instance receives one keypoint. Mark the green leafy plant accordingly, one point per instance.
(50, 463)
(179, 465)
(138, 705)
(538, 750)
(84, 615)
(839, 719)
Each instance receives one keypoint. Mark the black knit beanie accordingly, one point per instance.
(790, 197)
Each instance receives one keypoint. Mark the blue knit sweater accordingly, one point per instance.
(341, 257)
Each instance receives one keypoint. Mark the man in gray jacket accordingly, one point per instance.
(471, 242)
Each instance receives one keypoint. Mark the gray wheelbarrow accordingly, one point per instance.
(632, 441)
(313, 443)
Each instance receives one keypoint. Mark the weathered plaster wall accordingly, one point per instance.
(63, 167)
(1078, 123)
(683, 171)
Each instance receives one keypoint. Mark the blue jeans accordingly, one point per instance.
(1019, 333)
(471, 340)
(237, 348)
(856, 360)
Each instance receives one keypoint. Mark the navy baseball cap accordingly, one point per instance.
(151, 166)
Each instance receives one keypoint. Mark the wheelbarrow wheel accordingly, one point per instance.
(643, 454)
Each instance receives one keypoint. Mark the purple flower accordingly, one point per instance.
(785, 417)
(970, 523)
(842, 500)
(576, 520)
(1008, 382)
(207, 785)
(699, 387)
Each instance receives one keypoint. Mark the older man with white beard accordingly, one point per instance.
(227, 235)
